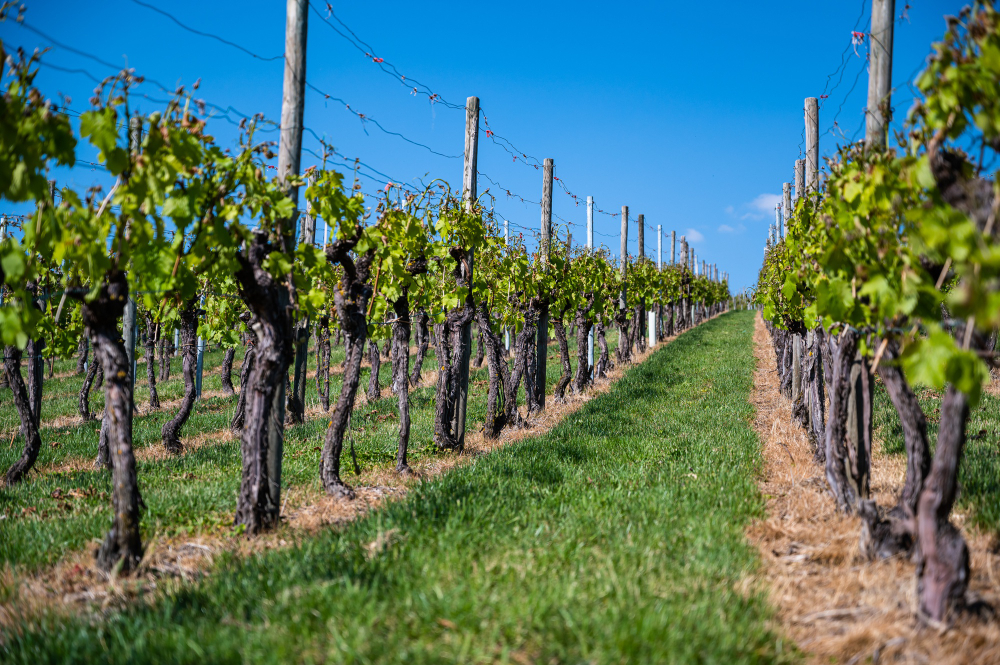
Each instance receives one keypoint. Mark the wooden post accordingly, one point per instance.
(878, 113)
(542, 338)
(800, 179)
(300, 335)
(289, 161)
(777, 221)
(470, 193)
(812, 145)
(129, 323)
(786, 194)
(590, 248)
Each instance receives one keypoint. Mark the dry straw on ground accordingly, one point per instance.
(74, 585)
(837, 606)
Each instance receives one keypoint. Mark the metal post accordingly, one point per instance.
(624, 260)
(877, 115)
(542, 339)
(470, 193)
(200, 372)
(812, 145)
(590, 247)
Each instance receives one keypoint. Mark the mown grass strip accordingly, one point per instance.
(616, 537)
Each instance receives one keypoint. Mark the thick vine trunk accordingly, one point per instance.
(603, 363)
(82, 354)
(374, 391)
(499, 375)
(296, 403)
(351, 301)
(239, 416)
(189, 357)
(559, 392)
(401, 375)
(164, 359)
(323, 361)
(583, 368)
(227, 371)
(449, 353)
(422, 340)
(29, 422)
(815, 353)
(122, 548)
(943, 570)
(152, 330)
(524, 343)
(800, 409)
(93, 369)
(624, 350)
(847, 477)
(267, 300)
(895, 533)
(480, 351)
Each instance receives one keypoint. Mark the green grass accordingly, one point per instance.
(194, 492)
(979, 475)
(616, 537)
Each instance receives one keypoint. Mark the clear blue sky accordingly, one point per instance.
(688, 115)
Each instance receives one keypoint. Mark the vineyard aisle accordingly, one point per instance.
(618, 536)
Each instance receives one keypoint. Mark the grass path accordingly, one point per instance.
(616, 537)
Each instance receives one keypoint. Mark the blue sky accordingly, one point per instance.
(689, 115)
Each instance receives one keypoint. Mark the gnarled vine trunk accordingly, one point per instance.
(227, 371)
(239, 416)
(323, 361)
(422, 340)
(559, 392)
(401, 375)
(374, 391)
(499, 374)
(189, 357)
(29, 422)
(583, 328)
(122, 547)
(82, 354)
(267, 300)
(846, 473)
(152, 331)
(943, 569)
(603, 363)
(83, 402)
(351, 301)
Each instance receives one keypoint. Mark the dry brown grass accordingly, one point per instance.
(74, 584)
(837, 606)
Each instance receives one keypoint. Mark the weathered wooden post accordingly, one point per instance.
(800, 180)
(289, 160)
(812, 145)
(470, 193)
(878, 113)
(786, 195)
(542, 338)
(300, 335)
